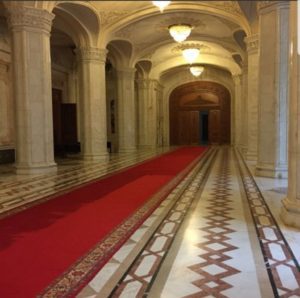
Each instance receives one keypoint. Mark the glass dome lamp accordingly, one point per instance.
(190, 54)
(161, 4)
(196, 70)
(180, 32)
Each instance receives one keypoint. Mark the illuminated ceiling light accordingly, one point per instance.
(190, 54)
(161, 4)
(180, 32)
(196, 70)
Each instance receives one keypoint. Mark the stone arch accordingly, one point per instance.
(181, 76)
(120, 53)
(79, 20)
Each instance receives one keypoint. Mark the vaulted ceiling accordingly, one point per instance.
(137, 31)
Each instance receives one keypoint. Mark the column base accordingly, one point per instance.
(36, 169)
(250, 155)
(243, 149)
(96, 157)
(127, 150)
(265, 171)
(290, 213)
(147, 147)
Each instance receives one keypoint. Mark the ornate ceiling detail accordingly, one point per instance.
(124, 33)
(111, 16)
(203, 48)
(196, 23)
(229, 6)
(263, 4)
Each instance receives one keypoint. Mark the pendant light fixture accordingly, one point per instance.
(190, 54)
(180, 32)
(161, 4)
(196, 70)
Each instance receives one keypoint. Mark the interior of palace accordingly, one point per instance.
(89, 89)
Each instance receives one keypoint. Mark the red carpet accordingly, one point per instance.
(38, 244)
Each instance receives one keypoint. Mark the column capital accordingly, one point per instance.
(252, 43)
(129, 72)
(148, 83)
(89, 54)
(31, 18)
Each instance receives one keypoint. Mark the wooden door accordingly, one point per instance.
(186, 130)
(56, 112)
(69, 127)
(214, 119)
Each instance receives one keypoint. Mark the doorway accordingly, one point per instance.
(64, 125)
(199, 114)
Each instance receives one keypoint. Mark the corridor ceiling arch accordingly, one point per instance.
(81, 18)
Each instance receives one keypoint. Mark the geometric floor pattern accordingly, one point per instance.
(214, 235)
(214, 270)
(282, 265)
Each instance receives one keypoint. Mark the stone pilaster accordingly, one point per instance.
(290, 211)
(148, 108)
(273, 90)
(126, 110)
(30, 29)
(237, 110)
(93, 124)
(252, 98)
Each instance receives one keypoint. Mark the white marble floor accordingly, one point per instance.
(217, 234)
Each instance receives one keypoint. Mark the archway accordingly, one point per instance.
(75, 27)
(199, 114)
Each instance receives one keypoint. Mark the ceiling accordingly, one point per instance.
(137, 31)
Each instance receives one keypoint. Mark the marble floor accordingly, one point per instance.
(217, 234)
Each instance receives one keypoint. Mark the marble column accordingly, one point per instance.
(244, 115)
(148, 108)
(126, 110)
(237, 110)
(290, 211)
(273, 90)
(160, 115)
(252, 98)
(30, 29)
(93, 132)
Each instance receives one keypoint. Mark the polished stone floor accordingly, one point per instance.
(217, 234)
